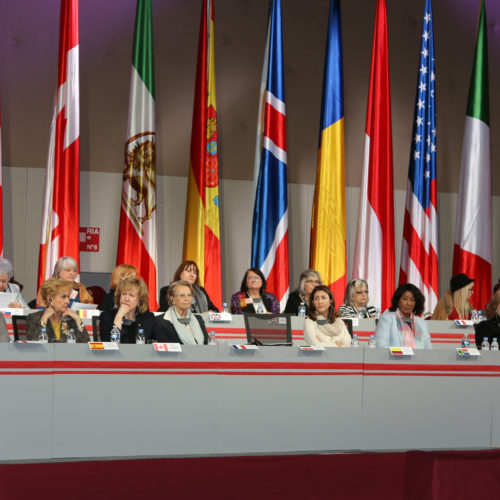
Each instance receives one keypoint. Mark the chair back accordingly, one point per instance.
(268, 329)
(19, 324)
(96, 328)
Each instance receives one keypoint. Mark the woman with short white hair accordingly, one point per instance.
(6, 274)
(356, 301)
(66, 269)
(308, 281)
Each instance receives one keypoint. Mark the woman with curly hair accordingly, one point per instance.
(400, 325)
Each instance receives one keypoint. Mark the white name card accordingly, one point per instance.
(103, 346)
(401, 351)
(244, 347)
(167, 347)
(467, 351)
(222, 316)
(311, 348)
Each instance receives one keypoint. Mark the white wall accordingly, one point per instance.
(100, 203)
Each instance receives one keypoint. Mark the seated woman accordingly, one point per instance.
(188, 271)
(323, 325)
(356, 301)
(130, 314)
(57, 318)
(490, 328)
(6, 273)
(66, 268)
(179, 324)
(455, 303)
(400, 325)
(252, 297)
(120, 273)
(309, 279)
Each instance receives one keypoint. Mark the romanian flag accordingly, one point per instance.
(328, 228)
(201, 229)
(61, 203)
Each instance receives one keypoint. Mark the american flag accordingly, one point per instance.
(419, 258)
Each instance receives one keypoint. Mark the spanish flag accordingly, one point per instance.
(201, 229)
(328, 228)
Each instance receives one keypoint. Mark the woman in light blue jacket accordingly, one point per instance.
(400, 325)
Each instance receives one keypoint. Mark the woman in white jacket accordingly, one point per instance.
(400, 325)
(323, 326)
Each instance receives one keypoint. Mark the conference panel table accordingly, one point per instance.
(65, 401)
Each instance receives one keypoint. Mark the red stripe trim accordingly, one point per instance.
(439, 368)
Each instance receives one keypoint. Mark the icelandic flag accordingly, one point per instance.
(419, 251)
(270, 217)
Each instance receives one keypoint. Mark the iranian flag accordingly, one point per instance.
(137, 237)
(61, 202)
(472, 250)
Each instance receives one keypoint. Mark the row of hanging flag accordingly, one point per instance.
(374, 256)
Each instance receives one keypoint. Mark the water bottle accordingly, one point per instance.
(494, 344)
(361, 314)
(260, 309)
(224, 307)
(371, 342)
(43, 337)
(474, 316)
(212, 340)
(466, 341)
(355, 341)
(302, 310)
(377, 314)
(485, 346)
(140, 339)
(71, 337)
(115, 334)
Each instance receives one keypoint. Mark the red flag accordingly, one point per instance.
(61, 204)
(374, 255)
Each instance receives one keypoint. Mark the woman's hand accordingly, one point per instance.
(122, 313)
(16, 305)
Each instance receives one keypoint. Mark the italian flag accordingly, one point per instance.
(137, 238)
(472, 249)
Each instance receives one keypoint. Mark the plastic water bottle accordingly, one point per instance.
(212, 339)
(494, 344)
(355, 341)
(361, 314)
(43, 337)
(465, 340)
(71, 337)
(115, 334)
(140, 339)
(224, 307)
(474, 316)
(485, 346)
(371, 342)
(260, 309)
(302, 310)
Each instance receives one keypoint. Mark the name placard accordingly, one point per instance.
(464, 322)
(311, 348)
(245, 347)
(167, 347)
(467, 351)
(401, 351)
(218, 317)
(103, 346)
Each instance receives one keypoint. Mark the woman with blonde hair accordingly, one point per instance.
(57, 318)
(130, 314)
(356, 301)
(455, 303)
(120, 273)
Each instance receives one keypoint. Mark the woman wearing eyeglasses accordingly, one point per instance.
(455, 303)
(179, 324)
(356, 301)
(252, 297)
(308, 281)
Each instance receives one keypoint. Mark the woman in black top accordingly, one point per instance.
(490, 328)
(308, 281)
(130, 314)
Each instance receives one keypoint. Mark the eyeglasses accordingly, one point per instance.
(315, 282)
(359, 292)
(253, 278)
(184, 295)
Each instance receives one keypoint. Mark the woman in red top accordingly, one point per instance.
(455, 303)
